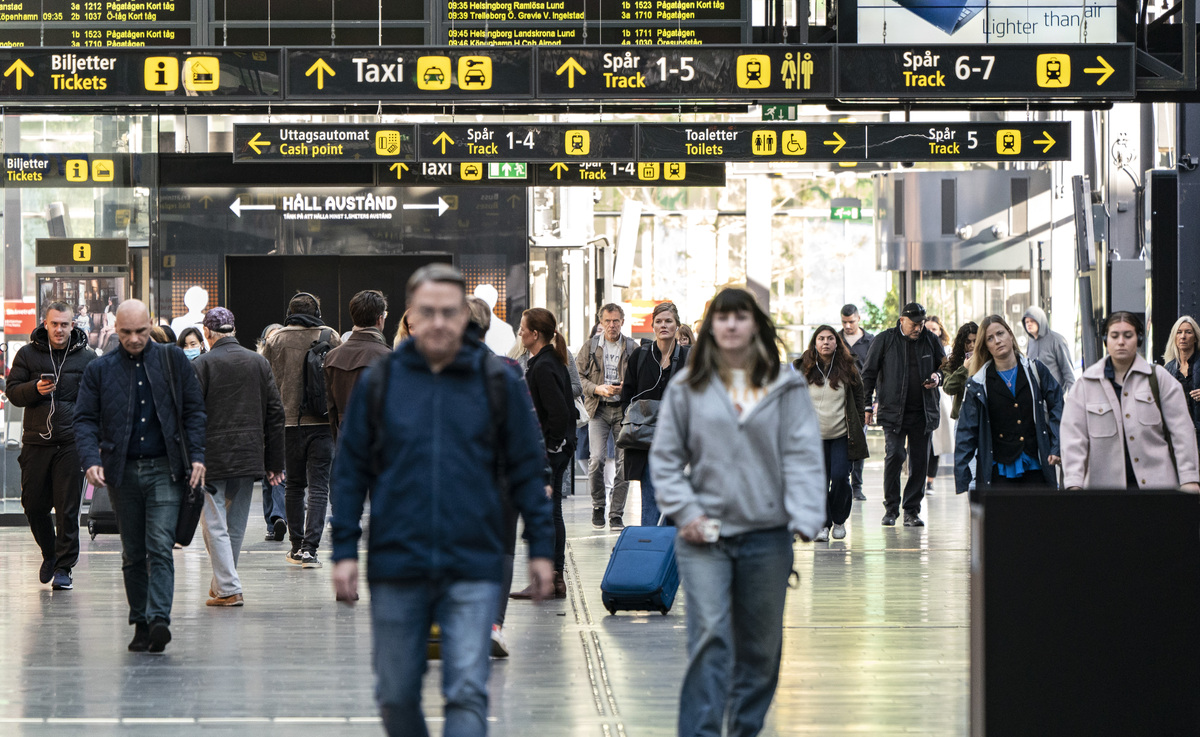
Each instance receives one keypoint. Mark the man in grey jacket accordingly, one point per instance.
(1048, 347)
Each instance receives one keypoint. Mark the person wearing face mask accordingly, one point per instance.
(1009, 422)
(1182, 362)
(191, 340)
(837, 393)
(736, 462)
(1126, 422)
(903, 372)
(649, 370)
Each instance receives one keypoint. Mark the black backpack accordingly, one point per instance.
(312, 401)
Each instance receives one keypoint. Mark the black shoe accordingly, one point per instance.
(280, 529)
(616, 524)
(889, 520)
(160, 635)
(912, 520)
(859, 496)
(141, 638)
(62, 580)
(46, 572)
(598, 518)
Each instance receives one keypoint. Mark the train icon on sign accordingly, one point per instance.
(753, 71)
(578, 142)
(1053, 70)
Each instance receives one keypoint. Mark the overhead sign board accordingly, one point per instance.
(68, 170)
(307, 143)
(409, 73)
(630, 174)
(973, 72)
(192, 76)
(844, 142)
(526, 143)
(608, 34)
(622, 72)
(82, 251)
(984, 22)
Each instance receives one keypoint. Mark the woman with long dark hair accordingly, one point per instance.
(955, 365)
(737, 464)
(647, 373)
(550, 388)
(1009, 423)
(837, 395)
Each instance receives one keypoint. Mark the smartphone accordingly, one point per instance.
(711, 530)
(50, 378)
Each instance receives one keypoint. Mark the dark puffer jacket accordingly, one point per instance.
(245, 415)
(104, 410)
(36, 359)
(886, 375)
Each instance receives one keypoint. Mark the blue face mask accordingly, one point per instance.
(191, 353)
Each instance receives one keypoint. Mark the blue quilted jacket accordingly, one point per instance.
(104, 410)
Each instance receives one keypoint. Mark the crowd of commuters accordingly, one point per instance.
(456, 434)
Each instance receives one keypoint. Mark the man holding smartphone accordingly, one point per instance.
(903, 372)
(601, 365)
(44, 379)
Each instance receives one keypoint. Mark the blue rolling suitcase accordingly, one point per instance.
(641, 574)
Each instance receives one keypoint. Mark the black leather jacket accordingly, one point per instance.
(30, 363)
(885, 376)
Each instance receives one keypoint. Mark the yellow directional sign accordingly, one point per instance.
(321, 68)
(206, 201)
(1105, 71)
(1048, 140)
(18, 67)
(570, 66)
(398, 168)
(443, 139)
(837, 143)
(257, 141)
(559, 168)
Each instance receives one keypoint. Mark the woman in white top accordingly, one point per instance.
(736, 463)
(837, 392)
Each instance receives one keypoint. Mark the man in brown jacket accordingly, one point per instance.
(308, 440)
(344, 364)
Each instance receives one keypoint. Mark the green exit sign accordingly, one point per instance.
(845, 213)
(778, 112)
(506, 170)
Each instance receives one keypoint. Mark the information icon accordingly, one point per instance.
(578, 142)
(81, 252)
(763, 143)
(433, 72)
(201, 73)
(754, 71)
(1054, 70)
(795, 143)
(77, 170)
(161, 74)
(1008, 142)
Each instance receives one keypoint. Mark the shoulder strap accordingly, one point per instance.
(325, 335)
(1158, 403)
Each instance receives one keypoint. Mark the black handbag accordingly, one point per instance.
(191, 506)
(637, 429)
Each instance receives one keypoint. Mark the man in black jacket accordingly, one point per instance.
(904, 365)
(244, 441)
(50, 474)
(859, 341)
(139, 429)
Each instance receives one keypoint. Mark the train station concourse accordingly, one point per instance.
(859, 168)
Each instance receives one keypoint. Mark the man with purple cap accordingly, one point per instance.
(245, 443)
(903, 372)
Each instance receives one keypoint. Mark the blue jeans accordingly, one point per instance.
(839, 498)
(401, 613)
(147, 506)
(735, 595)
(650, 510)
(272, 499)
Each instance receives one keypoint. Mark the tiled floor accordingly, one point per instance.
(876, 643)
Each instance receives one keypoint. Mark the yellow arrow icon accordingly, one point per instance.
(1048, 141)
(443, 139)
(559, 169)
(206, 200)
(837, 143)
(18, 67)
(257, 141)
(398, 168)
(321, 68)
(570, 67)
(1105, 71)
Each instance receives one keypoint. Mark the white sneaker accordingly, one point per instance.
(822, 536)
(499, 646)
(839, 532)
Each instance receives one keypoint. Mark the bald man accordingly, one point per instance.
(134, 403)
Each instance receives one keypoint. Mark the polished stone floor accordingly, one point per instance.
(876, 643)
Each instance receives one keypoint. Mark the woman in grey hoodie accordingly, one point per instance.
(737, 463)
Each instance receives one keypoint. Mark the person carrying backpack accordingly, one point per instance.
(296, 353)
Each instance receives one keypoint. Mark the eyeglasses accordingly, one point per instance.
(446, 313)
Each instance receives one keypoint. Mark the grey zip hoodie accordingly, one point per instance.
(761, 471)
(1050, 348)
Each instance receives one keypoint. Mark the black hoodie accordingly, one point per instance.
(31, 362)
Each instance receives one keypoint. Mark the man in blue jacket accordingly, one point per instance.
(426, 445)
(128, 435)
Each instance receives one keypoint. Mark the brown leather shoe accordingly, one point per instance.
(560, 586)
(523, 594)
(234, 600)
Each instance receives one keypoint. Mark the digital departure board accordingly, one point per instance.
(157, 35)
(95, 11)
(319, 10)
(95, 23)
(578, 10)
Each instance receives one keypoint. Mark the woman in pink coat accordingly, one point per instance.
(1116, 423)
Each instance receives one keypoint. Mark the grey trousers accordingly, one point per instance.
(226, 514)
(606, 421)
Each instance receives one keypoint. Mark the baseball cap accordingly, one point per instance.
(913, 311)
(219, 320)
